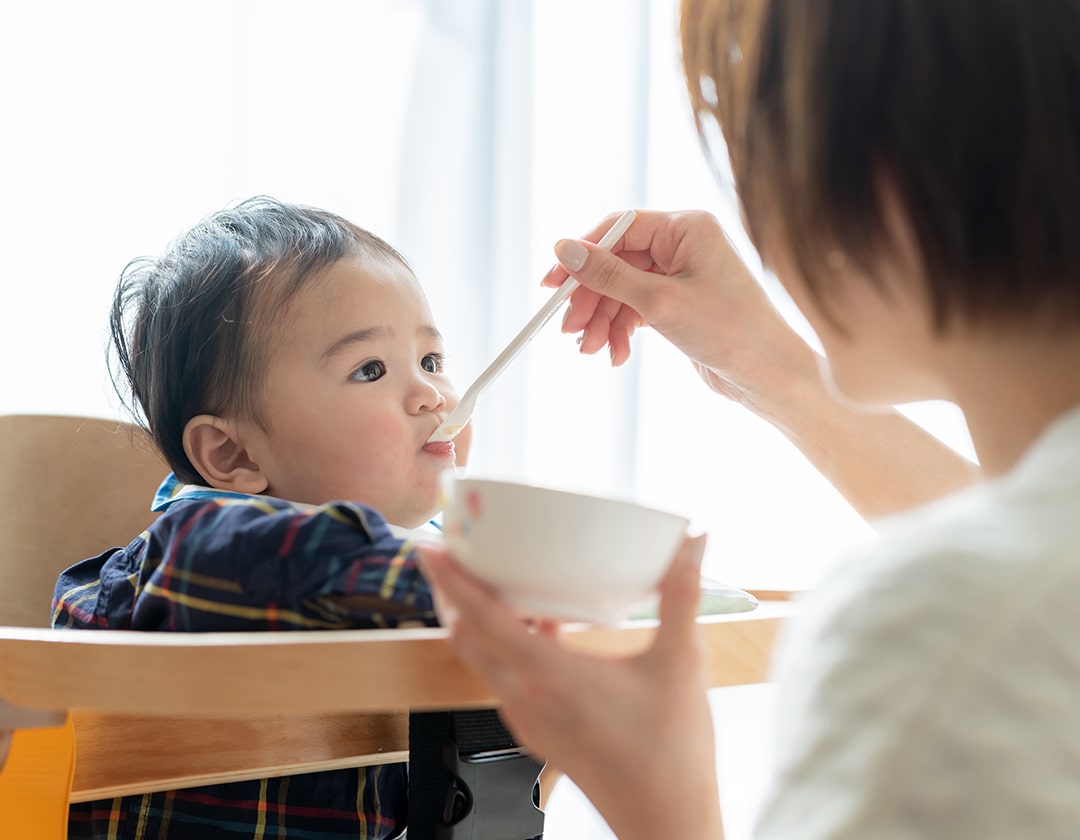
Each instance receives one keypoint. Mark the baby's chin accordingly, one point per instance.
(410, 521)
(413, 518)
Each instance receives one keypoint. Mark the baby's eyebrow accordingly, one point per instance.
(355, 337)
(369, 334)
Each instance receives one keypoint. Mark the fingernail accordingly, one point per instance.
(571, 253)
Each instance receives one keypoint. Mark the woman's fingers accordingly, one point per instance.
(583, 304)
(458, 594)
(557, 275)
(622, 328)
(487, 634)
(598, 331)
(605, 273)
(603, 317)
(680, 597)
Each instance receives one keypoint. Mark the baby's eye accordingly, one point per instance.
(369, 372)
(433, 362)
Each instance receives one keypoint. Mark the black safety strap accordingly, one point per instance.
(468, 779)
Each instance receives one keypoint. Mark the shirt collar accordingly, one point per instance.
(172, 490)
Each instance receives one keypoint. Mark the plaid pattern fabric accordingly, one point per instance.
(233, 562)
(335, 805)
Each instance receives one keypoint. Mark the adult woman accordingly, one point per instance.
(911, 171)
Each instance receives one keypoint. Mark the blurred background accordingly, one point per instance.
(471, 134)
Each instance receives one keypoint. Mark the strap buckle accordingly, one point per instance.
(469, 780)
(488, 795)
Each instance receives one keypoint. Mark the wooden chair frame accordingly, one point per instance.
(187, 709)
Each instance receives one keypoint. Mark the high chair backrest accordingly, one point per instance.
(70, 487)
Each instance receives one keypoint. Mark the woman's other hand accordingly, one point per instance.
(636, 733)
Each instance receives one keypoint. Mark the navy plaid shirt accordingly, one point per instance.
(223, 561)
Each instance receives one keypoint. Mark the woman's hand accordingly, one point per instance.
(679, 273)
(635, 734)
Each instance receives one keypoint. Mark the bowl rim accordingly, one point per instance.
(450, 477)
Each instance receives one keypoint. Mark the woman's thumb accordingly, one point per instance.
(600, 270)
(681, 591)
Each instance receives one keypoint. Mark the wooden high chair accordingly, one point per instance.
(103, 714)
(70, 487)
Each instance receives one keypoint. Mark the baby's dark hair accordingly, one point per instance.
(190, 330)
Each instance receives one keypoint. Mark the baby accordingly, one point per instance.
(288, 367)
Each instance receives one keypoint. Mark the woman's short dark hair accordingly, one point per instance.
(971, 108)
(190, 330)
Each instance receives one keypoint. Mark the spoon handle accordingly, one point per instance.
(457, 419)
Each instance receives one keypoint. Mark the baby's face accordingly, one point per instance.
(354, 387)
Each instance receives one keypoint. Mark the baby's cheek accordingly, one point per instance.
(388, 430)
(386, 444)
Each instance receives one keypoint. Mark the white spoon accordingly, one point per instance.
(457, 418)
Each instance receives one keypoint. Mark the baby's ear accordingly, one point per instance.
(214, 449)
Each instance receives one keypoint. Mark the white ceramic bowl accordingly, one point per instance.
(556, 554)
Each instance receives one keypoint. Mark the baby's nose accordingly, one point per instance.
(430, 398)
